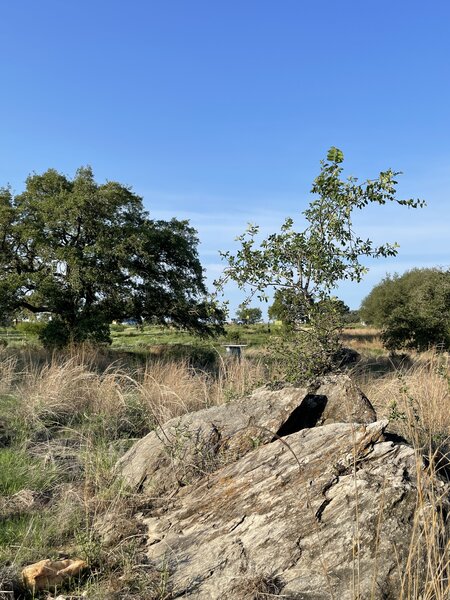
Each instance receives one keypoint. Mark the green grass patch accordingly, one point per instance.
(20, 471)
(14, 427)
(23, 538)
(145, 339)
(40, 534)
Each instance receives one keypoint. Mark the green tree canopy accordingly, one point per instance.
(307, 265)
(248, 314)
(287, 307)
(290, 308)
(413, 310)
(88, 254)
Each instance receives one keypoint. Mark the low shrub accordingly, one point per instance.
(31, 328)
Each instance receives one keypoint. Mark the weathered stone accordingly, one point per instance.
(345, 401)
(49, 574)
(323, 513)
(189, 447)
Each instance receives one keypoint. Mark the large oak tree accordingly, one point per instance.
(87, 254)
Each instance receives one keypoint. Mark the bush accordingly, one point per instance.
(413, 310)
(31, 327)
(196, 356)
(58, 334)
(352, 317)
(233, 336)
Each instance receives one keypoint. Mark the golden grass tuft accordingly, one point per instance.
(8, 373)
(69, 386)
(415, 398)
(363, 339)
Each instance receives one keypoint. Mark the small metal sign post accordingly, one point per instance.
(235, 350)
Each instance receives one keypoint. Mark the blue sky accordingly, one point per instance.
(221, 111)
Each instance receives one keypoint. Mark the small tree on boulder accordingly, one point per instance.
(309, 264)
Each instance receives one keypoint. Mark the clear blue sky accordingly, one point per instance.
(221, 111)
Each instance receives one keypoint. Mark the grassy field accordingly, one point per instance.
(65, 419)
(132, 338)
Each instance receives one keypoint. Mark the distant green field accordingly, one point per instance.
(12, 336)
(175, 343)
(129, 337)
(254, 335)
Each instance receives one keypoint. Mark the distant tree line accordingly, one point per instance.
(412, 310)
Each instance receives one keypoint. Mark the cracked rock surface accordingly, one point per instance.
(326, 512)
(292, 492)
(188, 447)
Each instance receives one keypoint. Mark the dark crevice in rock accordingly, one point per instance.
(329, 484)
(140, 487)
(395, 438)
(321, 508)
(406, 476)
(305, 416)
(326, 501)
(236, 525)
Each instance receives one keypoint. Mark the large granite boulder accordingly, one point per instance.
(324, 513)
(188, 447)
(294, 492)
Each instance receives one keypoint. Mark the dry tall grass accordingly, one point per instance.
(71, 415)
(363, 339)
(69, 386)
(416, 398)
(80, 395)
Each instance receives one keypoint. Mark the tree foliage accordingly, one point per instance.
(413, 310)
(88, 254)
(307, 265)
(352, 317)
(249, 315)
(289, 308)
